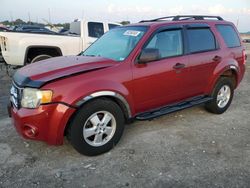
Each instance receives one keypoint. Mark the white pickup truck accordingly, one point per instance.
(19, 48)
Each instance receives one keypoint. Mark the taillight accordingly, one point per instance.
(244, 56)
(3, 40)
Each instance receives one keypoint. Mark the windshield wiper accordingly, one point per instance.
(89, 55)
(92, 55)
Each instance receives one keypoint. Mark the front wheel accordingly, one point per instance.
(97, 127)
(222, 96)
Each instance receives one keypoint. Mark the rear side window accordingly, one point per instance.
(112, 26)
(229, 35)
(169, 43)
(96, 29)
(200, 40)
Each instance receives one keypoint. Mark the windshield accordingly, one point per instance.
(117, 43)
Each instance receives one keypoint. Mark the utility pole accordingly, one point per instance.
(49, 16)
(29, 16)
(11, 17)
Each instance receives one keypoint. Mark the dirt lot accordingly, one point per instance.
(191, 148)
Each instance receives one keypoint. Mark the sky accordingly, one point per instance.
(237, 11)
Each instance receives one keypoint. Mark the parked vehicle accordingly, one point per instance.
(33, 29)
(3, 28)
(37, 44)
(246, 41)
(65, 31)
(140, 71)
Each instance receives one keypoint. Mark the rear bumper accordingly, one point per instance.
(46, 123)
(12, 58)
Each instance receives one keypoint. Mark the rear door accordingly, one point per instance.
(204, 55)
(159, 82)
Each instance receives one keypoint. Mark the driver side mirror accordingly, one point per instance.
(148, 55)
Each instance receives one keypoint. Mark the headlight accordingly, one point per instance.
(32, 98)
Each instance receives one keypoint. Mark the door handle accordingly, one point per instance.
(179, 66)
(217, 58)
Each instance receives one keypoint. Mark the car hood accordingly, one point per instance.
(39, 73)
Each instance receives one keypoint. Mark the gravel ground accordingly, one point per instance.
(190, 148)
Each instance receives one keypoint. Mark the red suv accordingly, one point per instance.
(139, 71)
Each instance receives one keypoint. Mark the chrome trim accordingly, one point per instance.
(16, 95)
(14, 101)
(233, 67)
(13, 91)
(17, 85)
(106, 93)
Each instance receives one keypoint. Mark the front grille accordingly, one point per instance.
(16, 95)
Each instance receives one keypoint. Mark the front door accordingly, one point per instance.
(158, 83)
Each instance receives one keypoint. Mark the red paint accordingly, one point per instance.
(48, 120)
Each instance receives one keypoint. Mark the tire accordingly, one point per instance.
(103, 137)
(40, 58)
(223, 91)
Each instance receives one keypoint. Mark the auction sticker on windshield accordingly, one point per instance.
(131, 33)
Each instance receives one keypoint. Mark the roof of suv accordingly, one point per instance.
(180, 19)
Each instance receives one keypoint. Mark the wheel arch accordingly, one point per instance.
(117, 97)
(232, 73)
(56, 49)
(111, 95)
(229, 71)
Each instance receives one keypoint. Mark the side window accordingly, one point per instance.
(200, 40)
(229, 35)
(95, 29)
(169, 43)
(112, 26)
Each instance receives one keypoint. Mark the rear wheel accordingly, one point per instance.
(97, 127)
(40, 58)
(222, 96)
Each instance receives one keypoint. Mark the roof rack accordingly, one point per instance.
(184, 17)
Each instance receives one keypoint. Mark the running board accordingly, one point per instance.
(173, 108)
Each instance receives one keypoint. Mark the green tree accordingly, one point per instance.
(125, 22)
(19, 22)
